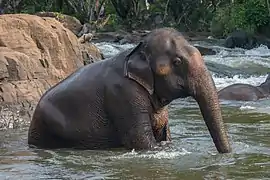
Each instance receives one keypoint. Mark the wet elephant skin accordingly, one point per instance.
(122, 101)
(246, 92)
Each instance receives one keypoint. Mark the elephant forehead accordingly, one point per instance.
(168, 42)
(188, 52)
(160, 44)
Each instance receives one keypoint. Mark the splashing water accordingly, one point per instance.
(152, 154)
(261, 51)
(226, 81)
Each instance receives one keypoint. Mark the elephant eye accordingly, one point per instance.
(177, 61)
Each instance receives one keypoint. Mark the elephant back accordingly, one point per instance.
(268, 78)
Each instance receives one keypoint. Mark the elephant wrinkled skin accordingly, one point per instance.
(246, 92)
(119, 102)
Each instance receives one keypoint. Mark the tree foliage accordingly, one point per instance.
(248, 15)
(217, 16)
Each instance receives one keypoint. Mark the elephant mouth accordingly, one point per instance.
(161, 101)
(164, 102)
(184, 92)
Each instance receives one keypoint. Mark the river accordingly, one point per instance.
(192, 155)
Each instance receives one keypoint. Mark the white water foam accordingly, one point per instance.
(242, 58)
(259, 108)
(152, 154)
(226, 81)
(246, 107)
(111, 49)
(261, 51)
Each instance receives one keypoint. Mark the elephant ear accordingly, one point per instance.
(138, 68)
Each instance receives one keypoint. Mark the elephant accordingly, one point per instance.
(117, 102)
(245, 92)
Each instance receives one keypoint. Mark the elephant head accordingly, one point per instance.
(168, 67)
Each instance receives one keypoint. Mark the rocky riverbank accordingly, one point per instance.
(123, 37)
(35, 53)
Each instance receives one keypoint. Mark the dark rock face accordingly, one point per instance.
(240, 39)
(205, 50)
(244, 40)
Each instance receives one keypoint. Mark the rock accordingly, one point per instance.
(86, 28)
(69, 22)
(123, 41)
(3, 67)
(35, 54)
(86, 38)
(90, 53)
(205, 50)
(244, 40)
(262, 40)
(108, 37)
(239, 39)
(121, 37)
(131, 38)
(158, 19)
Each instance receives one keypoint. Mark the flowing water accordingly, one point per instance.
(192, 154)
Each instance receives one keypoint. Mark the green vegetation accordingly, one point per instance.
(248, 15)
(219, 17)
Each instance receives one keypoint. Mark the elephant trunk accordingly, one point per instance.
(204, 92)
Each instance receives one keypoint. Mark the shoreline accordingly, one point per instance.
(123, 36)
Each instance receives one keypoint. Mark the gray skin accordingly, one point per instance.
(245, 92)
(113, 103)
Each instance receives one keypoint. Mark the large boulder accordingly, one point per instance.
(68, 22)
(244, 40)
(240, 39)
(35, 53)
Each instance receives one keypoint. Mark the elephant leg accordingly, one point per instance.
(160, 125)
